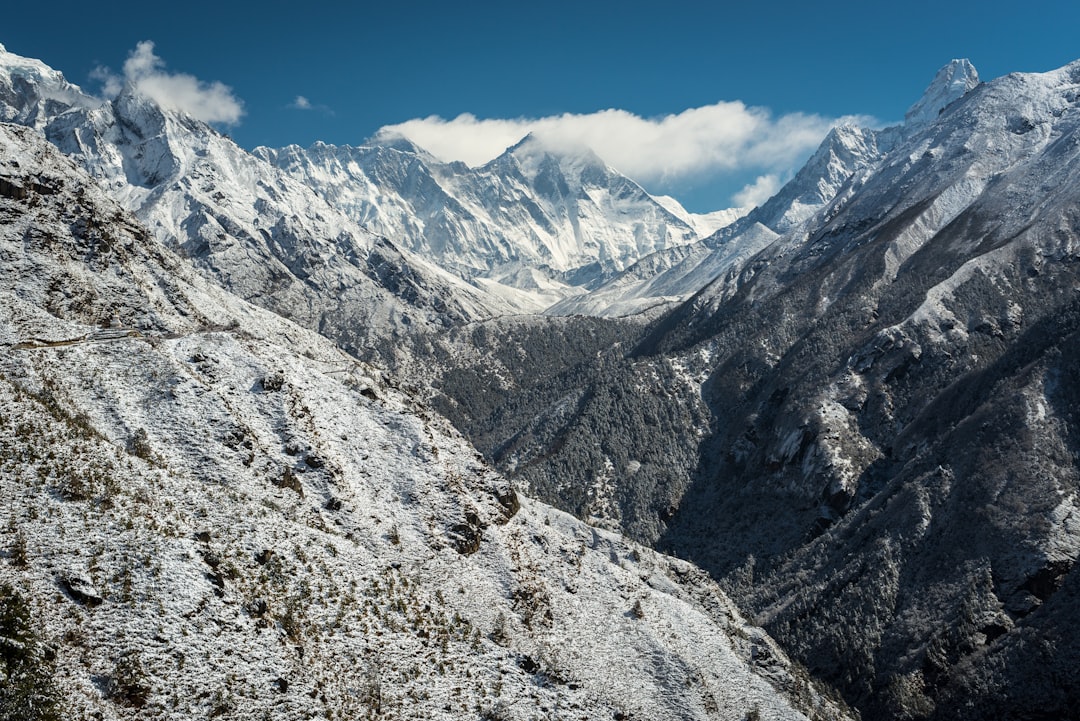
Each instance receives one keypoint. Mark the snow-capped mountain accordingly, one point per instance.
(846, 155)
(535, 225)
(952, 82)
(32, 93)
(918, 390)
(261, 233)
(213, 512)
(675, 275)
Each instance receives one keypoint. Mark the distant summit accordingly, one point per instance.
(951, 83)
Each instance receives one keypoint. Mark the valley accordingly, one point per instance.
(350, 432)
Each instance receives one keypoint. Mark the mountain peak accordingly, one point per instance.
(539, 145)
(951, 83)
(399, 142)
(572, 158)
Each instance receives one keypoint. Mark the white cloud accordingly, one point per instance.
(302, 102)
(111, 84)
(212, 102)
(757, 192)
(727, 137)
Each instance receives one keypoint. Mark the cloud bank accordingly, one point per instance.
(212, 102)
(727, 137)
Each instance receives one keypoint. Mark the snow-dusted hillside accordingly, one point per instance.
(212, 512)
(536, 224)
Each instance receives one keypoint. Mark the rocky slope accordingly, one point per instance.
(213, 512)
(907, 422)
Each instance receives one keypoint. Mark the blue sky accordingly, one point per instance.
(767, 78)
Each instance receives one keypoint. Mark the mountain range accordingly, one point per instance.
(243, 392)
(213, 512)
(534, 225)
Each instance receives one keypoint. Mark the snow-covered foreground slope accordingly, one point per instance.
(541, 223)
(211, 512)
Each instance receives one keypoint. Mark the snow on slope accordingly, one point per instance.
(221, 515)
(532, 211)
(932, 238)
(704, 223)
(661, 279)
(982, 153)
